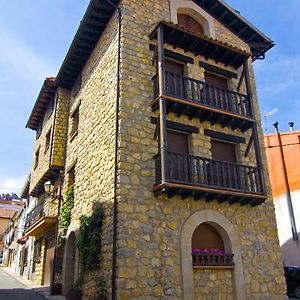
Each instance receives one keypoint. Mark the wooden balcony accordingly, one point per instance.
(199, 177)
(197, 99)
(38, 222)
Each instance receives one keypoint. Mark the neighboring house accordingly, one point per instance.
(283, 154)
(9, 205)
(154, 114)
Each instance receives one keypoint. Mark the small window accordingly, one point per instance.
(51, 106)
(39, 129)
(71, 176)
(77, 85)
(189, 23)
(74, 122)
(36, 158)
(48, 140)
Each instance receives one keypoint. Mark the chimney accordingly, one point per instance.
(276, 126)
(291, 126)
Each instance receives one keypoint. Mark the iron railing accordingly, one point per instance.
(36, 214)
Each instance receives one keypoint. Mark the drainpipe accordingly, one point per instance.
(288, 191)
(56, 233)
(116, 150)
(162, 104)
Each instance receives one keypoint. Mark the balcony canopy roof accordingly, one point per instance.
(199, 44)
(90, 30)
(47, 93)
(229, 17)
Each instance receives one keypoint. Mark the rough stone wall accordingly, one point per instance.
(44, 153)
(91, 151)
(54, 155)
(213, 284)
(149, 234)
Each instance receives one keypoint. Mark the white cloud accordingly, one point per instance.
(12, 184)
(278, 76)
(19, 60)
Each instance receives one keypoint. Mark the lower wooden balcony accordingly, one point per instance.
(197, 99)
(212, 260)
(204, 178)
(37, 222)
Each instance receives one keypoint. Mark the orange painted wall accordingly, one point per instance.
(291, 149)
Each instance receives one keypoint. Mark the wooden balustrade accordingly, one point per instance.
(204, 260)
(199, 92)
(205, 172)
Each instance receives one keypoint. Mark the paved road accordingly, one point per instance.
(11, 289)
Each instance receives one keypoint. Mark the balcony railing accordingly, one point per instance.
(205, 172)
(36, 214)
(199, 92)
(207, 260)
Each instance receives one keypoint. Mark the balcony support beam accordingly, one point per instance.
(162, 103)
(254, 125)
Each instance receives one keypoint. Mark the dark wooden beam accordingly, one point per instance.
(249, 145)
(174, 55)
(224, 136)
(217, 70)
(177, 126)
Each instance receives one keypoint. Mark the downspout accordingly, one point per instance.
(288, 190)
(116, 150)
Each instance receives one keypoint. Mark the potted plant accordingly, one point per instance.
(56, 288)
(75, 292)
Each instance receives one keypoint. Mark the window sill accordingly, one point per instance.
(213, 267)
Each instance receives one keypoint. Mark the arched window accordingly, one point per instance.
(189, 23)
(207, 237)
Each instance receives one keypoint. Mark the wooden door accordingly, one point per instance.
(179, 161)
(178, 142)
(49, 259)
(223, 151)
(174, 78)
(216, 91)
(216, 81)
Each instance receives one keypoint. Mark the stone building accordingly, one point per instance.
(156, 117)
(49, 119)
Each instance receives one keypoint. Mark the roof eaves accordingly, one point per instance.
(101, 18)
(48, 83)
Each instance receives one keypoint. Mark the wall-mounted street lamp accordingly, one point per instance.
(48, 187)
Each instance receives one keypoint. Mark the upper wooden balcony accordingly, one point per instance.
(40, 219)
(197, 99)
(201, 177)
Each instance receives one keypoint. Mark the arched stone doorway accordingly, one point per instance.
(231, 242)
(69, 269)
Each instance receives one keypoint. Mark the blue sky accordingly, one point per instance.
(35, 36)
